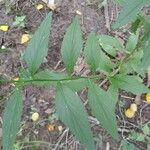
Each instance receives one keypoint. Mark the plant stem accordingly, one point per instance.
(50, 80)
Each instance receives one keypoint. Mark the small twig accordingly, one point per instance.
(103, 82)
(127, 97)
(106, 15)
(58, 63)
(60, 138)
(138, 99)
(107, 146)
(141, 112)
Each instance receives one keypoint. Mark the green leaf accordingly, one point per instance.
(146, 56)
(130, 10)
(137, 23)
(101, 105)
(11, 119)
(76, 85)
(119, 2)
(146, 129)
(92, 51)
(134, 64)
(71, 112)
(72, 45)
(127, 146)
(132, 42)
(38, 46)
(48, 75)
(95, 57)
(3, 50)
(113, 93)
(129, 84)
(110, 44)
(105, 64)
(19, 21)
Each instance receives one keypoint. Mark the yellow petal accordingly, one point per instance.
(148, 97)
(133, 107)
(39, 7)
(35, 116)
(4, 28)
(129, 113)
(25, 38)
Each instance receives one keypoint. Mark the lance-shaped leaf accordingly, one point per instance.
(132, 41)
(113, 93)
(72, 45)
(129, 83)
(146, 47)
(92, 51)
(130, 10)
(119, 2)
(71, 112)
(95, 57)
(38, 46)
(102, 108)
(11, 119)
(110, 44)
(76, 85)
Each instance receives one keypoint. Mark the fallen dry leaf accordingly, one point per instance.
(78, 12)
(35, 116)
(50, 3)
(51, 127)
(4, 28)
(25, 38)
(39, 6)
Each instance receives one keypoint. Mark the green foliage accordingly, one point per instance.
(110, 44)
(102, 108)
(146, 56)
(19, 21)
(130, 12)
(76, 85)
(119, 2)
(72, 113)
(127, 146)
(72, 45)
(101, 53)
(11, 119)
(92, 52)
(47, 78)
(2, 50)
(132, 41)
(129, 84)
(38, 46)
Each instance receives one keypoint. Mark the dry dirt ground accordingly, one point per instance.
(39, 99)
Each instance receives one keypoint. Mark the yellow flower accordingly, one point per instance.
(25, 38)
(4, 28)
(133, 107)
(35, 116)
(129, 113)
(39, 7)
(148, 97)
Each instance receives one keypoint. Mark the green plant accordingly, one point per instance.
(125, 72)
(19, 21)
